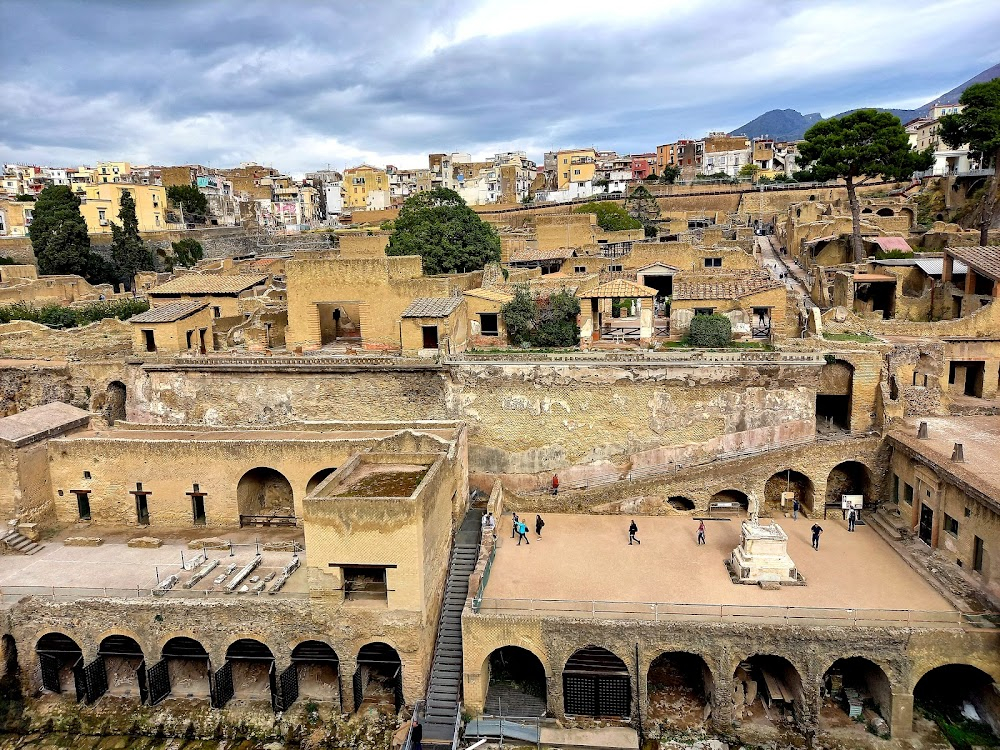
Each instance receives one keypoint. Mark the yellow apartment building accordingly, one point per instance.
(362, 181)
(576, 165)
(101, 203)
(15, 218)
(111, 171)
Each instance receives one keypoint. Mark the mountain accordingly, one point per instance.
(780, 124)
(791, 125)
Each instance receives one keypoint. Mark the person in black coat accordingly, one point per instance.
(632, 531)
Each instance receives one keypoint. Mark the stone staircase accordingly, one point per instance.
(19, 544)
(444, 689)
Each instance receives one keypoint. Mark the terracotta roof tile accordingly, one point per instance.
(723, 289)
(199, 283)
(619, 289)
(527, 254)
(169, 313)
(983, 259)
(432, 307)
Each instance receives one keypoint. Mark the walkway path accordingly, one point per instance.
(773, 260)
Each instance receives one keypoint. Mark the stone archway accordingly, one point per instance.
(516, 683)
(252, 664)
(678, 502)
(850, 685)
(187, 667)
(60, 659)
(115, 400)
(318, 479)
(123, 660)
(766, 687)
(378, 679)
(679, 690)
(596, 683)
(317, 669)
(849, 478)
(789, 481)
(945, 694)
(264, 492)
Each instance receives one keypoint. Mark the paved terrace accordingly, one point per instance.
(587, 560)
(117, 570)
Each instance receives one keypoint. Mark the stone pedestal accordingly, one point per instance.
(763, 555)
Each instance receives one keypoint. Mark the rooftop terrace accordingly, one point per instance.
(583, 565)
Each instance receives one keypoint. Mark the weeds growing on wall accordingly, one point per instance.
(59, 316)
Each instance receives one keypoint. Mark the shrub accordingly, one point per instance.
(58, 316)
(711, 331)
(546, 322)
(611, 217)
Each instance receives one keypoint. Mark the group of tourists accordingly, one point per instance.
(519, 529)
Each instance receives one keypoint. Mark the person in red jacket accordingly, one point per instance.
(555, 484)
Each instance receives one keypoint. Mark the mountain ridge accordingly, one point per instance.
(791, 125)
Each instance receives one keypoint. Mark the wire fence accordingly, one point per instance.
(70, 593)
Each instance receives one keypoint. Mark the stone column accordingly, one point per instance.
(991, 376)
(947, 269)
(346, 669)
(901, 716)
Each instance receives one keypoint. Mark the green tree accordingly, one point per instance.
(59, 236)
(190, 198)
(611, 217)
(186, 252)
(24, 198)
(519, 317)
(670, 175)
(651, 177)
(749, 170)
(128, 252)
(979, 126)
(555, 323)
(642, 206)
(859, 147)
(446, 233)
(711, 330)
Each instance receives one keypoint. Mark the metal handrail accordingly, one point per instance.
(409, 732)
(657, 611)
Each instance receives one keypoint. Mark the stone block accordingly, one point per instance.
(83, 541)
(208, 543)
(29, 530)
(145, 542)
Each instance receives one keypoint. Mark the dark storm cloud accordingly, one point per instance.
(302, 84)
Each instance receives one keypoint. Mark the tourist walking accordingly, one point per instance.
(416, 736)
(555, 484)
(701, 532)
(632, 531)
(795, 509)
(539, 523)
(816, 530)
(513, 528)
(521, 531)
(852, 517)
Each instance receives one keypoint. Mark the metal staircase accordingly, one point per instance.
(444, 689)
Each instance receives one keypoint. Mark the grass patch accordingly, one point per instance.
(962, 733)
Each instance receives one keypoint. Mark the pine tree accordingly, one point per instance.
(128, 252)
(59, 234)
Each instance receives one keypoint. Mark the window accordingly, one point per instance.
(968, 512)
(950, 525)
(86, 475)
(489, 324)
(616, 268)
(365, 583)
(576, 171)
(149, 340)
(895, 489)
(190, 338)
(713, 262)
(579, 269)
(101, 214)
(907, 494)
(978, 548)
(704, 310)
(216, 312)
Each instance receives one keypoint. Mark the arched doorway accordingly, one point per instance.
(318, 478)
(596, 683)
(186, 669)
(885, 212)
(114, 403)
(728, 501)
(264, 493)
(516, 683)
(849, 478)
(679, 689)
(767, 688)
(680, 503)
(317, 670)
(959, 698)
(783, 483)
(378, 680)
(61, 662)
(124, 666)
(252, 670)
(850, 686)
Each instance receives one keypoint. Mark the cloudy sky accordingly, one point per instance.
(301, 84)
